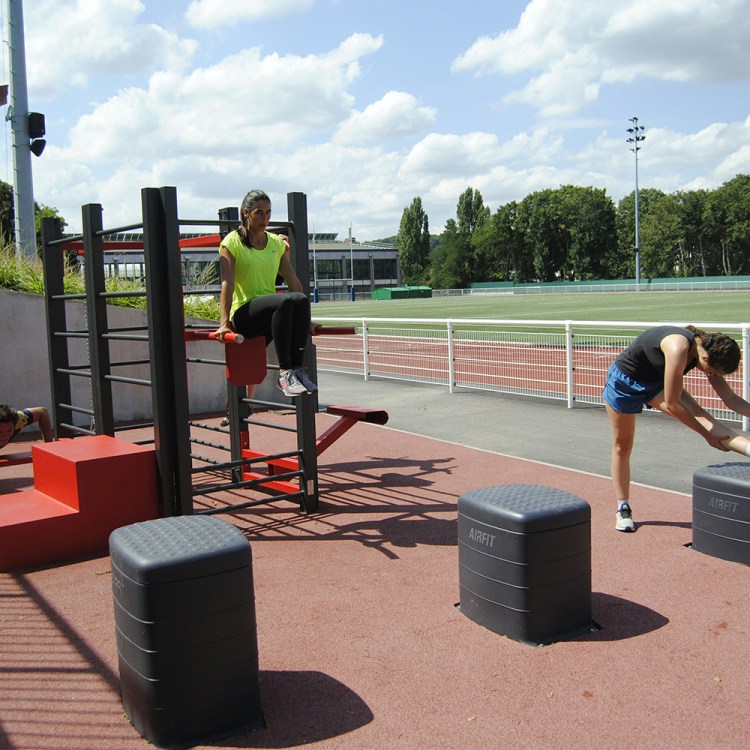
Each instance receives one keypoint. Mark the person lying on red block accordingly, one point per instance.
(12, 421)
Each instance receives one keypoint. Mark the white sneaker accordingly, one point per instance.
(302, 377)
(624, 518)
(290, 384)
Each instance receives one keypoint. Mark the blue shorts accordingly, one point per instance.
(626, 395)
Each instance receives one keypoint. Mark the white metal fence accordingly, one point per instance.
(570, 287)
(565, 360)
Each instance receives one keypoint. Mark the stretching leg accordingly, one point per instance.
(623, 435)
(733, 441)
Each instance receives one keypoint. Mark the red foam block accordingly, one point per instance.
(85, 488)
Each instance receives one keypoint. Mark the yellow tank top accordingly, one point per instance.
(255, 271)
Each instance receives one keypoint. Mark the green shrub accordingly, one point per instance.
(24, 274)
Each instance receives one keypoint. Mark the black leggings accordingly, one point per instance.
(281, 318)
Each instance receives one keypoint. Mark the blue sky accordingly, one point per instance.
(365, 104)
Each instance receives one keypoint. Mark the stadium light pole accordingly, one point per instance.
(315, 268)
(352, 292)
(636, 136)
(18, 115)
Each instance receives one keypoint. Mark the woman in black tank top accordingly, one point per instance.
(650, 372)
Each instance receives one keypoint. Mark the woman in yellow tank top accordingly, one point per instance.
(250, 259)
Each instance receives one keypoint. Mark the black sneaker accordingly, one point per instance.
(302, 377)
(624, 518)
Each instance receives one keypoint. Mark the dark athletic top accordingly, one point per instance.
(643, 360)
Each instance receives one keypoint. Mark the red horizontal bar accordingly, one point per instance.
(210, 240)
(334, 331)
(201, 335)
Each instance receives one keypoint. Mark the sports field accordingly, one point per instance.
(730, 306)
(526, 351)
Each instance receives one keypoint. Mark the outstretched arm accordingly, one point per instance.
(732, 400)
(675, 348)
(226, 265)
(40, 415)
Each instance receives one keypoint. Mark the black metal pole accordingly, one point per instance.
(237, 411)
(96, 312)
(166, 322)
(53, 267)
(306, 405)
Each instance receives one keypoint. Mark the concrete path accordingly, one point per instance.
(665, 456)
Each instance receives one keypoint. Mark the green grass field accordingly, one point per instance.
(696, 307)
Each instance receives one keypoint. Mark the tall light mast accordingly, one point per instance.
(18, 115)
(636, 136)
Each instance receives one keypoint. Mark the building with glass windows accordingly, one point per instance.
(374, 264)
(337, 265)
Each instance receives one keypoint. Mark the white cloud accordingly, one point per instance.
(69, 41)
(218, 130)
(396, 114)
(210, 14)
(680, 40)
(445, 155)
(359, 132)
(242, 105)
(723, 145)
(576, 46)
(564, 88)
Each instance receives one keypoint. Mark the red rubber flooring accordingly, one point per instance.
(360, 641)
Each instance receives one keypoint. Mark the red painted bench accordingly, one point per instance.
(348, 417)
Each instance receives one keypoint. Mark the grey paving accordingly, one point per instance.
(665, 455)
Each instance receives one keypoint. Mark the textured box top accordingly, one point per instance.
(524, 507)
(179, 548)
(738, 471)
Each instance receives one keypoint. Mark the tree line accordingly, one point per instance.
(578, 234)
(7, 215)
(565, 234)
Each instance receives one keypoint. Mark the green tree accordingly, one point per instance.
(499, 248)
(622, 266)
(40, 212)
(541, 216)
(490, 251)
(453, 263)
(587, 229)
(692, 205)
(413, 243)
(661, 235)
(448, 268)
(7, 214)
(471, 215)
(577, 233)
(727, 222)
(471, 211)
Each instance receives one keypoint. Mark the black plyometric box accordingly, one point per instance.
(187, 643)
(524, 554)
(721, 511)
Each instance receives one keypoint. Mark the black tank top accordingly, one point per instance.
(643, 360)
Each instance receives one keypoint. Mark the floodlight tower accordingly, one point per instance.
(27, 129)
(352, 291)
(636, 136)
